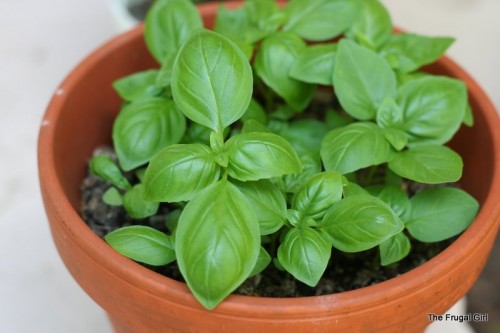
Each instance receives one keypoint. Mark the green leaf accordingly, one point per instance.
(311, 164)
(197, 133)
(136, 206)
(217, 242)
(137, 85)
(318, 194)
(440, 213)
(268, 202)
(360, 222)
(469, 116)
(408, 52)
(394, 249)
(112, 197)
(305, 135)
(255, 112)
(106, 169)
(254, 126)
(428, 164)
(305, 253)
(352, 188)
(259, 155)
(235, 24)
(433, 108)
(373, 26)
(212, 80)
(355, 146)
(362, 80)
(143, 128)
(263, 261)
(397, 200)
(319, 20)
(164, 77)
(143, 244)
(314, 64)
(273, 62)
(168, 25)
(266, 15)
(397, 138)
(179, 172)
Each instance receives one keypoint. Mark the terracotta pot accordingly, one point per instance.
(80, 117)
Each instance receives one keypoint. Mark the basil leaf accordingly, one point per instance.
(263, 261)
(137, 85)
(266, 15)
(373, 26)
(360, 222)
(319, 20)
(394, 249)
(105, 168)
(351, 189)
(255, 112)
(362, 80)
(217, 242)
(318, 194)
(469, 116)
(197, 133)
(441, 213)
(179, 172)
(408, 52)
(136, 206)
(305, 135)
(258, 155)
(314, 64)
(433, 108)
(212, 80)
(235, 24)
(112, 197)
(143, 244)
(397, 200)
(143, 128)
(273, 62)
(168, 24)
(428, 164)
(397, 138)
(311, 164)
(355, 146)
(305, 253)
(254, 126)
(164, 77)
(268, 202)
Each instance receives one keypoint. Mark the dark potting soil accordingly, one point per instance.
(345, 271)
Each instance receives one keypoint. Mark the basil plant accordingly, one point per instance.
(228, 134)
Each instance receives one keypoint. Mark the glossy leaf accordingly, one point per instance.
(373, 27)
(311, 164)
(305, 253)
(318, 194)
(263, 261)
(433, 108)
(143, 128)
(428, 164)
(394, 249)
(397, 200)
(362, 80)
(441, 213)
(179, 172)
(256, 112)
(217, 242)
(268, 202)
(360, 222)
(305, 135)
(137, 85)
(319, 20)
(409, 52)
(143, 244)
(112, 197)
(353, 147)
(273, 62)
(136, 206)
(168, 24)
(212, 80)
(105, 168)
(315, 64)
(258, 155)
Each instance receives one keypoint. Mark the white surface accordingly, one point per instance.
(40, 42)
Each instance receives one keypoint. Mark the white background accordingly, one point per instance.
(40, 41)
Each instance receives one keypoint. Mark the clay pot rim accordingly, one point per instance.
(168, 289)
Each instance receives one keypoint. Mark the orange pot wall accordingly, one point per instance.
(80, 117)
